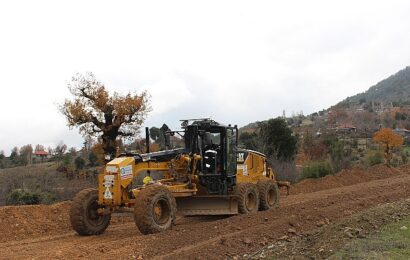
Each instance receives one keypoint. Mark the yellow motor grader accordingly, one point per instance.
(209, 176)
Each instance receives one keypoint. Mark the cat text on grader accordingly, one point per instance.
(209, 176)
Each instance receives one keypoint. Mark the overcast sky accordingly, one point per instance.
(234, 61)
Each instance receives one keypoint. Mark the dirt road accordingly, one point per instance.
(196, 237)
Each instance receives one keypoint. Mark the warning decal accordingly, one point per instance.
(107, 194)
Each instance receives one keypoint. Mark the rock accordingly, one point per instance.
(223, 240)
(349, 235)
(292, 223)
(357, 231)
(263, 243)
(403, 228)
(266, 219)
(320, 223)
(283, 238)
(247, 241)
(292, 231)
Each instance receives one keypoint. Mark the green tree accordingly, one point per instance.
(66, 160)
(249, 140)
(92, 158)
(79, 163)
(154, 133)
(277, 139)
(2, 159)
(158, 135)
(14, 155)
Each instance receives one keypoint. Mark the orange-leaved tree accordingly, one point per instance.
(388, 140)
(97, 113)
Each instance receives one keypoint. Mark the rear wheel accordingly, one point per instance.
(248, 197)
(84, 215)
(268, 194)
(155, 209)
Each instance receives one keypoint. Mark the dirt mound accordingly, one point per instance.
(404, 168)
(346, 178)
(33, 220)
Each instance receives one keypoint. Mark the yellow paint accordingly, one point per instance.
(123, 170)
(253, 169)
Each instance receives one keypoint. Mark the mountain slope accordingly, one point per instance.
(395, 88)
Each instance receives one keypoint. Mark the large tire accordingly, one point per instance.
(155, 209)
(268, 194)
(84, 217)
(248, 198)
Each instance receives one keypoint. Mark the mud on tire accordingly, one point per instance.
(248, 197)
(83, 214)
(268, 194)
(155, 209)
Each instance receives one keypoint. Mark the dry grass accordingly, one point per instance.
(41, 177)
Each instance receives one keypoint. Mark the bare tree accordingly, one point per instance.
(96, 113)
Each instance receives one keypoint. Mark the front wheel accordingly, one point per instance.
(84, 216)
(155, 209)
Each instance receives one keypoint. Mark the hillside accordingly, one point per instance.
(394, 89)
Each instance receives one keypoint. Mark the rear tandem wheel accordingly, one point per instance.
(248, 197)
(268, 193)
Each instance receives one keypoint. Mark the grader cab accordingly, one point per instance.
(209, 176)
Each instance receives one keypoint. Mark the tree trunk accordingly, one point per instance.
(109, 144)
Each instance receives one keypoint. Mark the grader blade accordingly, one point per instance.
(207, 205)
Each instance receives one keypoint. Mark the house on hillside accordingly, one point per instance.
(344, 128)
(402, 131)
(41, 155)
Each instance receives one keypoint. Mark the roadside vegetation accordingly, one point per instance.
(391, 242)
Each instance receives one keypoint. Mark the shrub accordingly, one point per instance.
(93, 159)
(317, 170)
(374, 158)
(23, 197)
(79, 163)
(48, 197)
(404, 157)
(28, 197)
